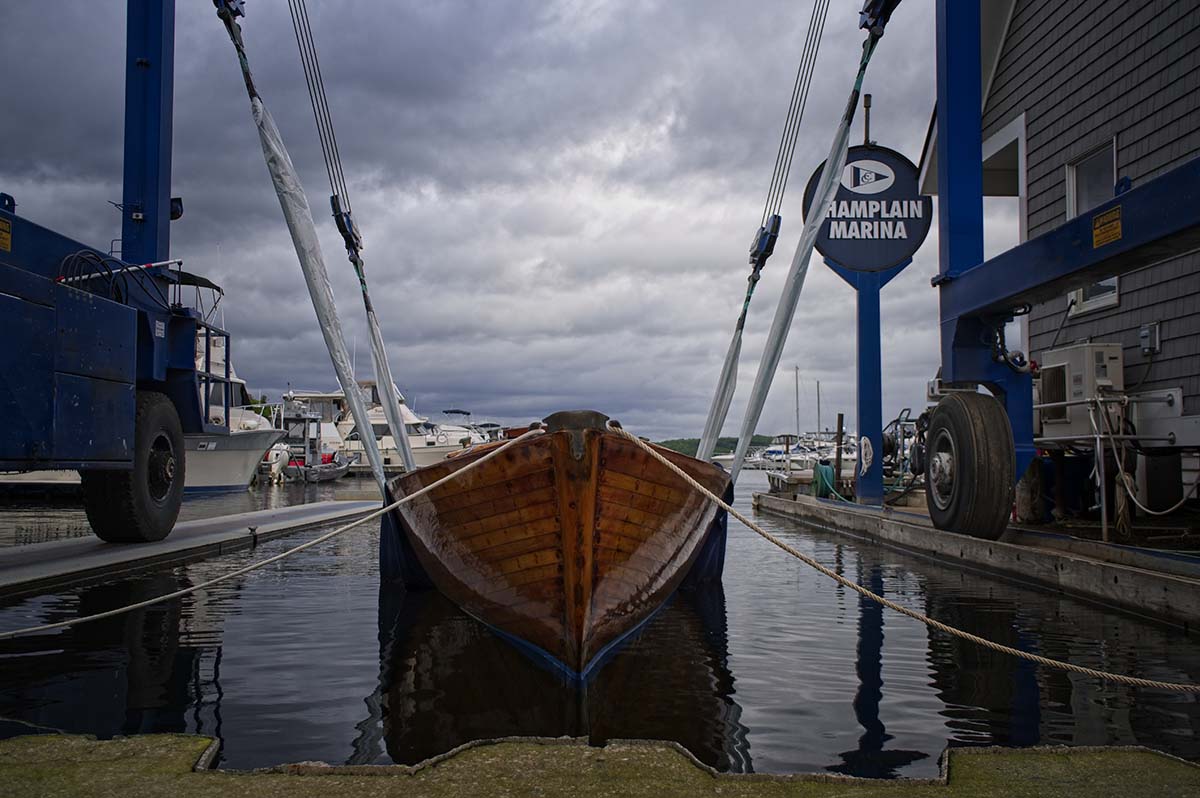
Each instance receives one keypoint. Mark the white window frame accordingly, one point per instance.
(1015, 131)
(1080, 305)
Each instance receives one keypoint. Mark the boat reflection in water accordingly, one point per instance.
(446, 679)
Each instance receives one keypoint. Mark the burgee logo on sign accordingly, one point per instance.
(867, 177)
(878, 218)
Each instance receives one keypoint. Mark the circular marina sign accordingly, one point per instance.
(879, 217)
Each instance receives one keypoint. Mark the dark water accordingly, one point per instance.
(780, 671)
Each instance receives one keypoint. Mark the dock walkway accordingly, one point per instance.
(1161, 585)
(41, 566)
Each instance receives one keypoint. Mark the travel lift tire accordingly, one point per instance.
(140, 505)
(970, 465)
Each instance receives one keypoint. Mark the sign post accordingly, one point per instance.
(877, 222)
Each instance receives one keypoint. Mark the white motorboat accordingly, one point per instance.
(216, 461)
(226, 456)
(430, 441)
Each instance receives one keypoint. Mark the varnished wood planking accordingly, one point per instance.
(535, 488)
(513, 519)
(514, 546)
(563, 544)
(643, 487)
(475, 483)
(611, 496)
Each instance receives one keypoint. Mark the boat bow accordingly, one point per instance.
(568, 542)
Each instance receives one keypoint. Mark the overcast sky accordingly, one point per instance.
(557, 196)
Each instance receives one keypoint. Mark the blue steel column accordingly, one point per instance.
(960, 156)
(868, 487)
(149, 102)
(966, 347)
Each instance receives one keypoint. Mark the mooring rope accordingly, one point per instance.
(1120, 678)
(276, 558)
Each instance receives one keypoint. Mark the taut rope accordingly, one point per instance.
(263, 563)
(1120, 678)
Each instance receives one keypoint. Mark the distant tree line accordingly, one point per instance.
(688, 446)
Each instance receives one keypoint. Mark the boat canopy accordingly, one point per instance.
(187, 278)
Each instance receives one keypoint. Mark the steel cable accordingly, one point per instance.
(1132, 681)
(315, 80)
(312, 95)
(796, 105)
(787, 170)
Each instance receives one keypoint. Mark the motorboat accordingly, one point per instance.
(227, 454)
(430, 441)
(329, 467)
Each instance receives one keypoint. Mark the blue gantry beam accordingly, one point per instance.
(1156, 220)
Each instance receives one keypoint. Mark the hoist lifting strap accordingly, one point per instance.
(339, 201)
(768, 232)
(874, 17)
(298, 216)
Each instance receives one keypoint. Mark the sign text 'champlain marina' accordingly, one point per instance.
(873, 218)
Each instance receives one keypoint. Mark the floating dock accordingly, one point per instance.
(177, 765)
(1162, 585)
(42, 566)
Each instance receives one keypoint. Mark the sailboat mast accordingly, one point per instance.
(820, 429)
(797, 401)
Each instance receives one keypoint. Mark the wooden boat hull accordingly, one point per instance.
(566, 542)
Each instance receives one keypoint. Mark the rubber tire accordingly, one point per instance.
(119, 504)
(981, 498)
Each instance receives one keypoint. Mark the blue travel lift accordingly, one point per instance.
(976, 446)
(99, 369)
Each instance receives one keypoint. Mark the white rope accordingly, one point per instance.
(1121, 678)
(263, 563)
(1127, 481)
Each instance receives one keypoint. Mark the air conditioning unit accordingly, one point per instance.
(1076, 374)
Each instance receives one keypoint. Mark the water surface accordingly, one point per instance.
(779, 671)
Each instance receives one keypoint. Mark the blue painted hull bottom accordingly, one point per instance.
(399, 569)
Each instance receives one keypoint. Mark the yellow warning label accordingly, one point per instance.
(5, 235)
(1106, 227)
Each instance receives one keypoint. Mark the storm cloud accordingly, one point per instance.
(557, 197)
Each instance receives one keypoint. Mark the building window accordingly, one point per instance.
(1090, 182)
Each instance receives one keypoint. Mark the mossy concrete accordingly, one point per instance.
(165, 765)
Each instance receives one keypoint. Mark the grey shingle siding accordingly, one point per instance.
(1085, 72)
